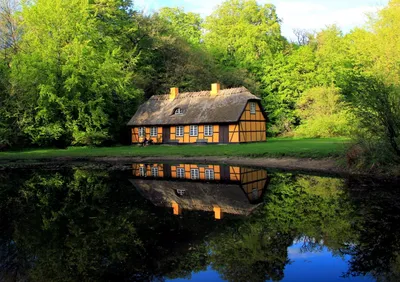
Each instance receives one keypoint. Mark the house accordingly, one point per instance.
(217, 116)
(211, 188)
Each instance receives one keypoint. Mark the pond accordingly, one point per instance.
(178, 222)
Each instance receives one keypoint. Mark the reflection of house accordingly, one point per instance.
(217, 116)
(217, 188)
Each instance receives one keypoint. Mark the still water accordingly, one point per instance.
(179, 222)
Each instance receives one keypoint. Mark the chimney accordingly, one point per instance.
(217, 212)
(176, 208)
(174, 93)
(215, 87)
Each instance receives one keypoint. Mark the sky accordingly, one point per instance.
(312, 15)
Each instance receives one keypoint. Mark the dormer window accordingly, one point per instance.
(178, 111)
(252, 108)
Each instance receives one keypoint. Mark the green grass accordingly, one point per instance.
(274, 147)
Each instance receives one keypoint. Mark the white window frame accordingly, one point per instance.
(194, 173)
(180, 172)
(142, 131)
(142, 171)
(154, 171)
(179, 131)
(253, 107)
(208, 130)
(154, 131)
(209, 174)
(178, 111)
(194, 130)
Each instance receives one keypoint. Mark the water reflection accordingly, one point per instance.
(90, 225)
(216, 188)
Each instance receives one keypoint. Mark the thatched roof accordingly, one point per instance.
(198, 195)
(199, 108)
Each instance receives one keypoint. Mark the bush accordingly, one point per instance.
(323, 113)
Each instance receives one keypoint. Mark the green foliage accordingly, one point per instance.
(379, 114)
(243, 33)
(184, 25)
(323, 113)
(71, 73)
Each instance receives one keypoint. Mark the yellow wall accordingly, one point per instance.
(234, 133)
(136, 169)
(136, 138)
(252, 180)
(186, 138)
(252, 126)
(201, 168)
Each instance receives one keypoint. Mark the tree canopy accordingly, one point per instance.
(74, 72)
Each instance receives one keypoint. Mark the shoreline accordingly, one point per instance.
(326, 165)
(330, 166)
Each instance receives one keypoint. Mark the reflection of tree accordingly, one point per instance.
(310, 209)
(250, 252)
(84, 225)
(315, 209)
(78, 225)
(377, 251)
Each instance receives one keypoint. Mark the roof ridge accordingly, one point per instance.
(227, 91)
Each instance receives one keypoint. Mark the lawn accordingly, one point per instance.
(274, 147)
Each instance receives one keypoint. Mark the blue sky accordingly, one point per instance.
(305, 14)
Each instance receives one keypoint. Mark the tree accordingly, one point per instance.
(184, 25)
(69, 73)
(323, 113)
(242, 33)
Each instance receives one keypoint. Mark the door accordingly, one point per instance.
(224, 133)
(225, 173)
(166, 134)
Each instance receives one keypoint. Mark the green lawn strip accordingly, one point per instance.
(275, 147)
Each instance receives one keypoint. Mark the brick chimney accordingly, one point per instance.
(174, 93)
(215, 87)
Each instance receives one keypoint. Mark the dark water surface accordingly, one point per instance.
(174, 222)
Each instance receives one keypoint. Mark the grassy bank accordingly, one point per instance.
(275, 147)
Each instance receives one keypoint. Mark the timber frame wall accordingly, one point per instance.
(252, 181)
(250, 128)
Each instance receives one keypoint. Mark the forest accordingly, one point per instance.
(72, 73)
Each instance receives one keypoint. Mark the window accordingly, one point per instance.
(154, 171)
(142, 171)
(254, 194)
(154, 131)
(178, 111)
(252, 107)
(194, 130)
(180, 192)
(194, 173)
(208, 130)
(179, 131)
(180, 172)
(142, 131)
(209, 174)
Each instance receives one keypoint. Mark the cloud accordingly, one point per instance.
(311, 16)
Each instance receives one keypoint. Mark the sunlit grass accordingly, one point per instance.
(275, 147)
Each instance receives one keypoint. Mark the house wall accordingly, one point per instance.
(252, 180)
(252, 127)
(137, 139)
(136, 171)
(186, 138)
(234, 133)
(201, 168)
